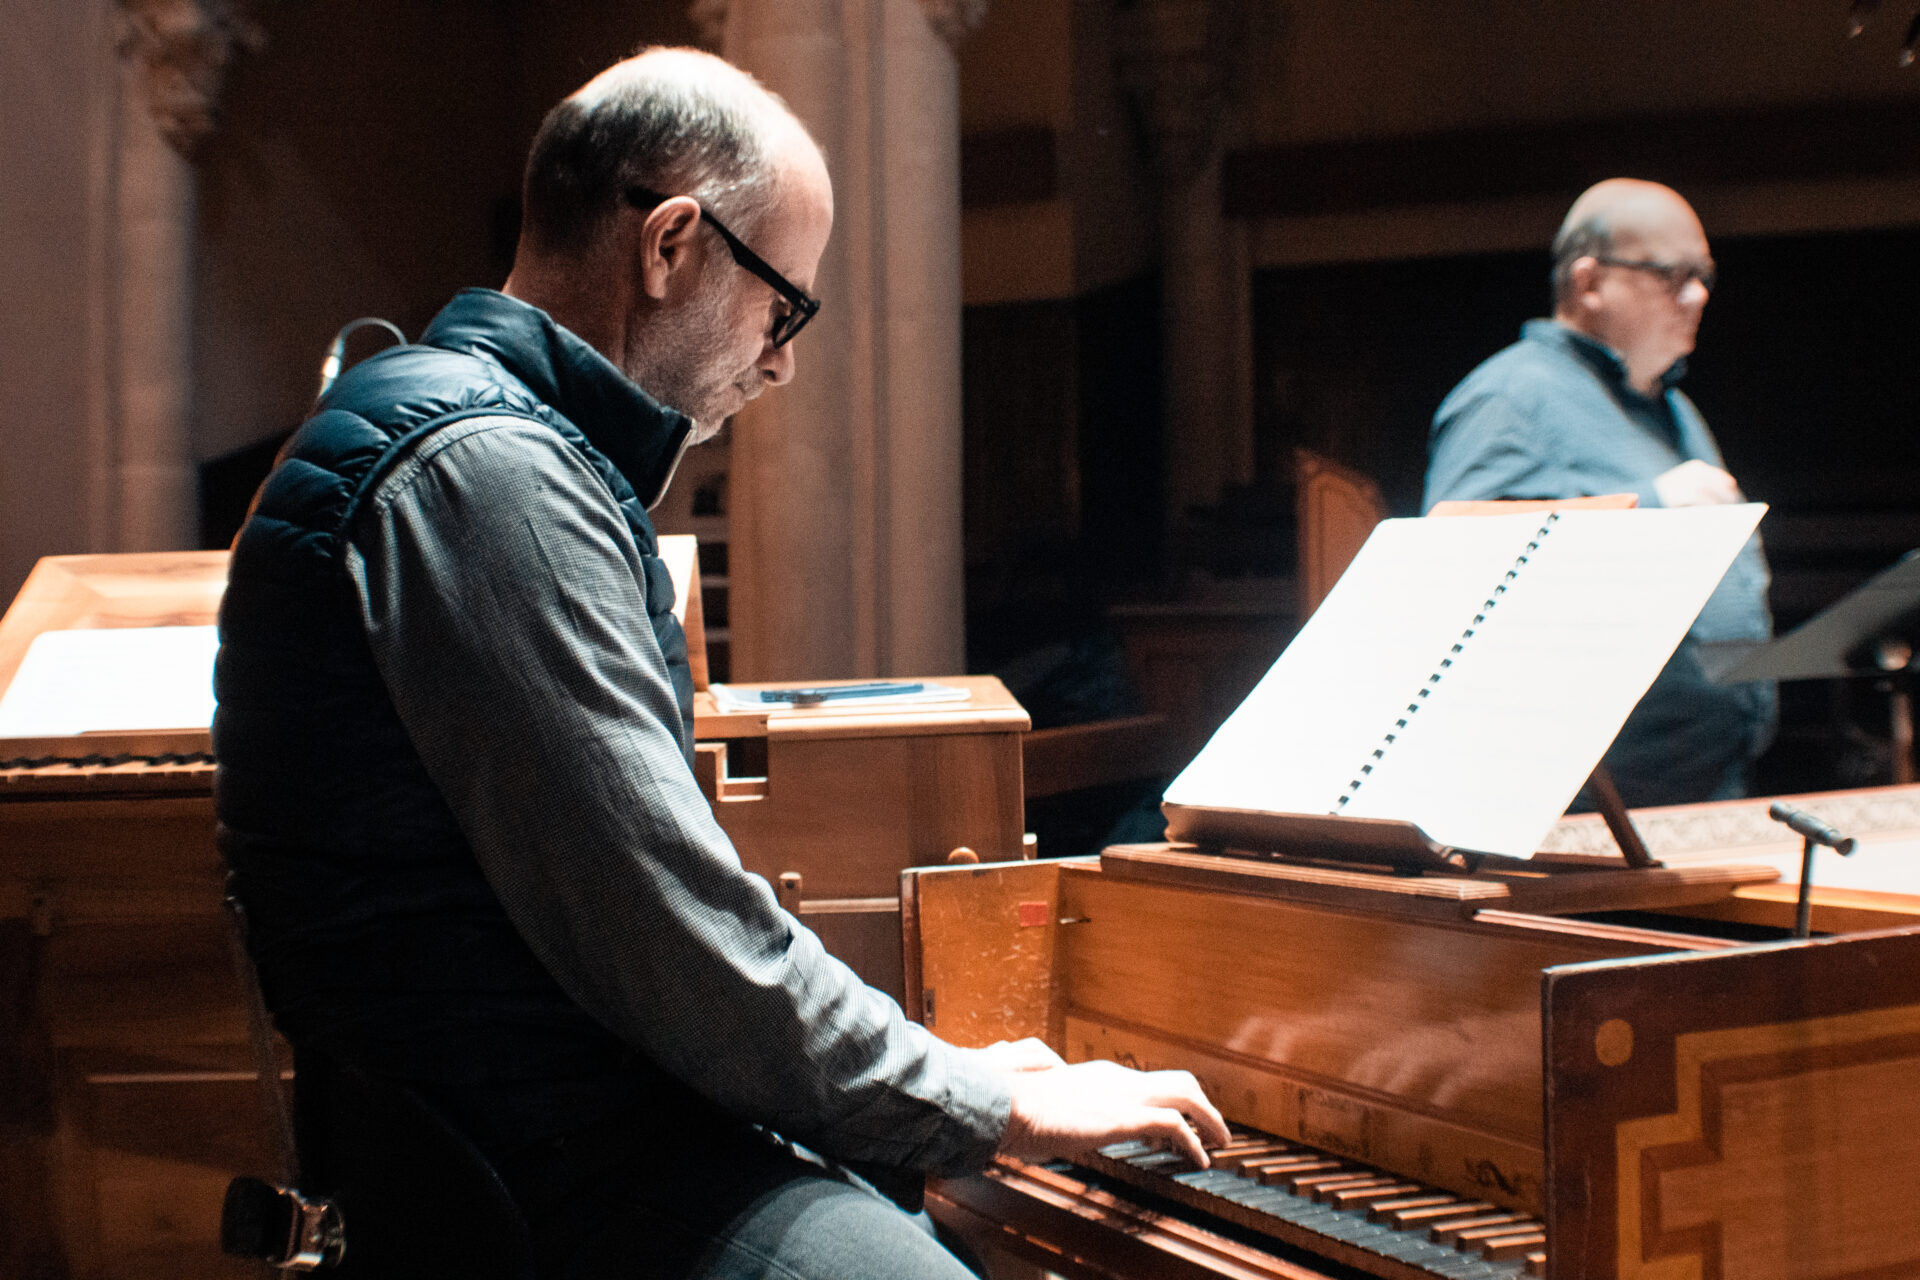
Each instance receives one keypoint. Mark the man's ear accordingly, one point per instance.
(665, 254)
(1583, 277)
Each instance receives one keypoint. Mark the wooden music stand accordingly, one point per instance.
(1572, 571)
(1507, 506)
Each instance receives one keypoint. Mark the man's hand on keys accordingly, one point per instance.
(1062, 1110)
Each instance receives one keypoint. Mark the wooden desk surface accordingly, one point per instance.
(988, 709)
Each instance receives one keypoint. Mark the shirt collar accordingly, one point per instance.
(638, 434)
(1602, 358)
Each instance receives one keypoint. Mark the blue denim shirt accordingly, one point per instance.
(1553, 416)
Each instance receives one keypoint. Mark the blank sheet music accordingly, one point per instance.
(1524, 687)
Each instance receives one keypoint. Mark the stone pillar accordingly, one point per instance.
(1179, 61)
(844, 527)
(143, 484)
(154, 110)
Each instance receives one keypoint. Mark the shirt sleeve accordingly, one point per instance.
(1485, 445)
(504, 602)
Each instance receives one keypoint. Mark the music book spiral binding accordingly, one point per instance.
(1462, 679)
(1440, 670)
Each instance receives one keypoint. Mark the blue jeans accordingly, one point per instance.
(731, 1205)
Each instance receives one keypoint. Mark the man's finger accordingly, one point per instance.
(1183, 1094)
(1180, 1136)
(1211, 1126)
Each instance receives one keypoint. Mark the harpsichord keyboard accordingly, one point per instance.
(1364, 1217)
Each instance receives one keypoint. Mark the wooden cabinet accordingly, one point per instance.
(830, 804)
(128, 1095)
(135, 1095)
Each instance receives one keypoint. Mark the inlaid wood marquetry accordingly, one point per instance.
(1702, 1110)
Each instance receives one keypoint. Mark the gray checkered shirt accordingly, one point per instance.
(502, 594)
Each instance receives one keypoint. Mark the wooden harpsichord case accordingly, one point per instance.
(1446, 1053)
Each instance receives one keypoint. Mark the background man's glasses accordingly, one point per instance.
(1675, 274)
(801, 305)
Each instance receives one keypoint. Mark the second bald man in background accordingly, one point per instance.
(1588, 403)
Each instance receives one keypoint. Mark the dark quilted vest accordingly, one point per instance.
(376, 936)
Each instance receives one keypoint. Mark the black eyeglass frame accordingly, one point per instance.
(802, 306)
(1674, 274)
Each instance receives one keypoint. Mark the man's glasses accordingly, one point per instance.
(801, 305)
(1674, 274)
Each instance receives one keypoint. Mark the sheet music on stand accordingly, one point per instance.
(1873, 630)
(1835, 641)
(1465, 676)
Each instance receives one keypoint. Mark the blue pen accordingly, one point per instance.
(834, 692)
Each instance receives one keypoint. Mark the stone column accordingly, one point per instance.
(144, 482)
(1179, 60)
(844, 527)
(155, 107)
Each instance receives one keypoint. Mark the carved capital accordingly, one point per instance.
(184, 48)
(1181, 62)
(954, 20)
